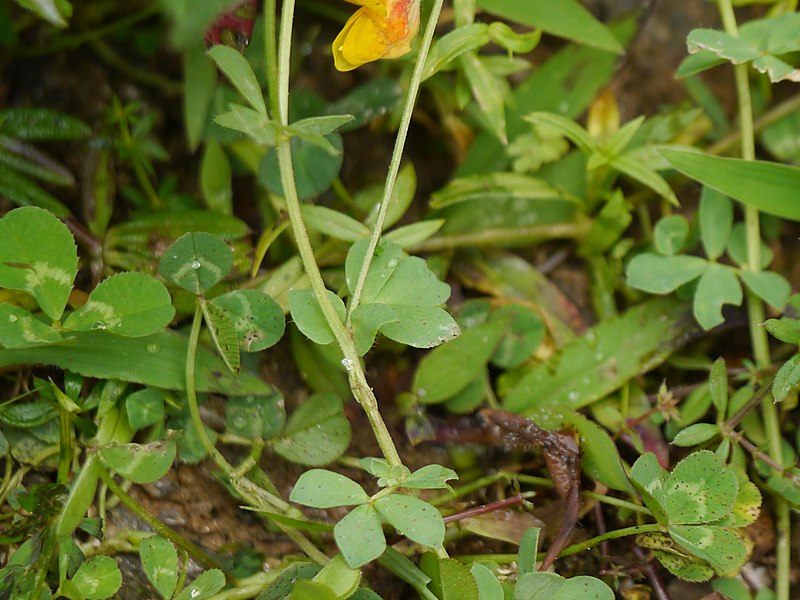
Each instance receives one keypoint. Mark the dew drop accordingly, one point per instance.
(98, 325)
(240, 422)
(195, 264)
(152, 348)
(573, 396)
(422, 392)
(13, 318)
(347, 364)
(392, 263)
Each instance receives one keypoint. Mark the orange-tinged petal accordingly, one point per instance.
(372, 34)
(379, 6)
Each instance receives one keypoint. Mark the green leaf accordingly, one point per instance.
(718, 285)
(767, 186)
(633, 167)
(657, 274)
(240, 74)
(453, 44)
(700, 489)
(315, 167)
(567, 127)
(307, 314)
(255, 125)
(722, 548)
(716, 222)
(145, 408)
(196, 262)
(489, 588)
(33, 124)
(38, 256)
(405, 187)
(223, 334)
(164, 226)
(771, 287)
(785, 329)
(493, 187)
(450, 368)
(325, 489)
(412, 517)
(333, 223)
(215, 178)
(651, 480)
(339, 578)
(505, 37)
(550, 586)
(737, 248)
(528, 549)
(199, 83)
(670, 234)
(20, 329)
(282, 586)
(98, 578)
(430, 477)
(360, 536)
(140, 463)
(525, 334)
(129, 304)
(320, 125)
(718, 386)
(255, 417)
(160, 564)
(397, 299)
(257, 318)
(786, 379)
(564, 18)
(696, 434)
(722, 44)
(450, 580)
(156, 361)
(414, 233)
(368, 101)
(205, 586)
(600, 458)
(22, 191)
(310, 590)
(604, 358)
(487, 92)
(316, 433)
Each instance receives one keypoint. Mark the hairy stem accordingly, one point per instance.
(397, 154)
(157, 526)
(358, 381)
(611, 535)
(755, 310)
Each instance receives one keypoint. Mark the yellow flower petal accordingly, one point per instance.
(361, 41)
(372, 34)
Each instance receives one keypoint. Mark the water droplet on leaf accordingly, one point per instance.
(98, 325)
(195, 264)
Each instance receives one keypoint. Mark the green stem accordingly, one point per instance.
(610, 535)
(397, 154)
(161, 529)
(254, 495)
(358, 381)
(755, 311)
(271, 54)
(65, 445)
(191, 392)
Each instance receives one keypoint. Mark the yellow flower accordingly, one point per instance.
(379, 29)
